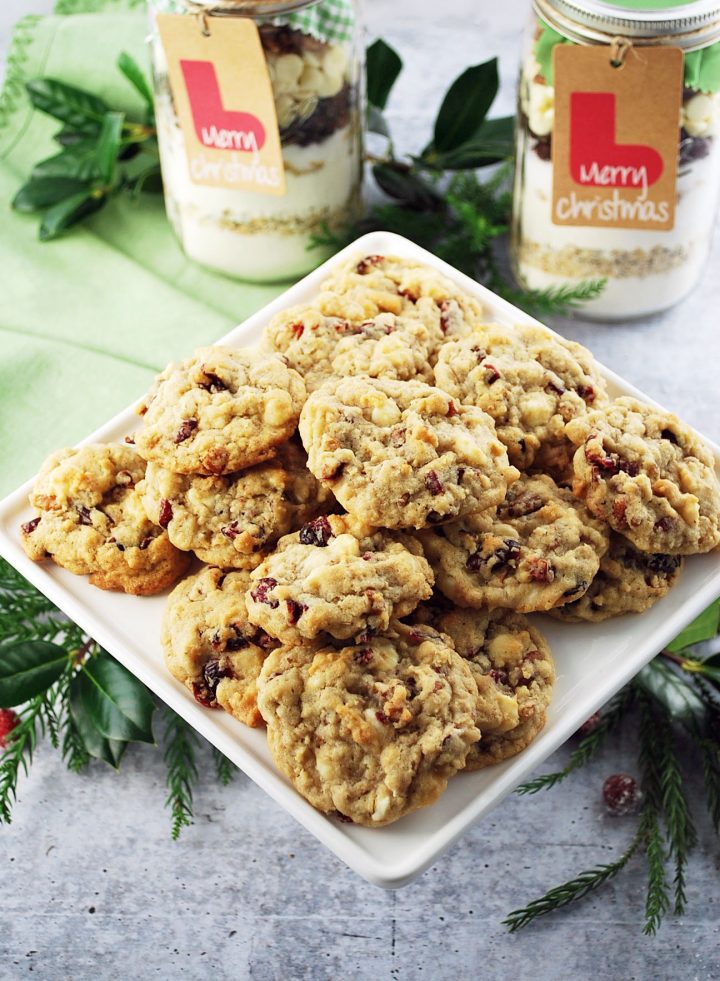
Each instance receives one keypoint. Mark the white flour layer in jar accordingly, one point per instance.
(645, 270)
(261, 236)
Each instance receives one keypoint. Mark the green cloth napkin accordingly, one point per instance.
(87, 320)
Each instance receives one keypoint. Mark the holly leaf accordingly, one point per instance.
(108, 146)
(493, 143)
(465, 106)
(77, 161)
(407, 187)
(376, 122)
(119, 706)
(134, 74)
(382, 66)
(664, 683)
(27, 669)
(43, 192)
(79, 110)
(704, 627)
(110, 751)
(67, 213)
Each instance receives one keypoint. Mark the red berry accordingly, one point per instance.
(8, 721)
(589, 724)
(621, 794)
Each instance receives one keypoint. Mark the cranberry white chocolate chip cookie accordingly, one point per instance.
(219, 411)
(374, 284)
(232, 520)
(649, 476)
(320, 347)
(92, 522)
(402, 454)
(338, 576)
(510, 657)
(529, 380)
(371, 731)
(540, 550)
(211, 646)
(628, 581)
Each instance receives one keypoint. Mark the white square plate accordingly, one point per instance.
(593, 660)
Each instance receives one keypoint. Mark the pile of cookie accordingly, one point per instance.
(378, 497)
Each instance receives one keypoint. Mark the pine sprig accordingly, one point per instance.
(18, 753)
(587, 747)
(711, 774)
(179, 742)
(224, 768)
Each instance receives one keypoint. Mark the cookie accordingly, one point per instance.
(319, 347)
(91, 521)
(339, 576)
(628, 581)
(529, 380)
(649, 476)
(402, 454)
(209, 644)
(368, 285)
(232, 520)
(513, 667)
(373, 731)
(219, 411)
(541, 549)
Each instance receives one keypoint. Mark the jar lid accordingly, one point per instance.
(257, 8)
(687, 24)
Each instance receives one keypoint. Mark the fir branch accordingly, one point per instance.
(18, 753)
(588, 745)
(681, 833)
(223, 767)
(711, 774)
(179, 742)
(657, 901)
(553, 300)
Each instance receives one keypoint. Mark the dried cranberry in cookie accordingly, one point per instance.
(211, 646)
(402, 454)
(541, 549)
(339, 576)
(649, 476)
(92, 522)
(529, 380)
(371, 731)
(219, 411)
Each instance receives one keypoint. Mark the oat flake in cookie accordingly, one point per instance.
(530, 381)
(509, 656)
(402, 454)
(210, 645)
(319, 347)
(540, 550)
(372, 731)
(91, 521)
(219, 411)
(628, 581)
(232, 520)
(338, 576)
(649, 476)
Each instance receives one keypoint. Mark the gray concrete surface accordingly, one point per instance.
(93, 887)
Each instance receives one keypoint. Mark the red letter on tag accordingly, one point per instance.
(216, 126)
(595, 157)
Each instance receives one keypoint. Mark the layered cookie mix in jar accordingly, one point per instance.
(258, 108)
(618, 150)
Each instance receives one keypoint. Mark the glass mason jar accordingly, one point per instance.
(313, 54)
(646, 269)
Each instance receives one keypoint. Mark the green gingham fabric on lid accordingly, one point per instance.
(329, 21)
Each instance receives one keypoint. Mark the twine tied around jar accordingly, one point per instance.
(619, 49)
(203, 9)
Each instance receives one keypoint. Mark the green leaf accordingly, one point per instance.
(28, 669)
(382, 66)
(77, 161)
(110, 751)
(704, 627)
(67, 213)
(674, 692)
(78, 109)
(42, 192)
(134, 74)
(69, 136)
(376, 122)
(119, 705)
(108, 146)
(407, 187)
(465, 106)
(492, 143)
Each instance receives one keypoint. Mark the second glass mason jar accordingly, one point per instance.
(312, 50)
(646, 270)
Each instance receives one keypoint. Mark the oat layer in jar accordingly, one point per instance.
(310, 52)
(646, 268)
